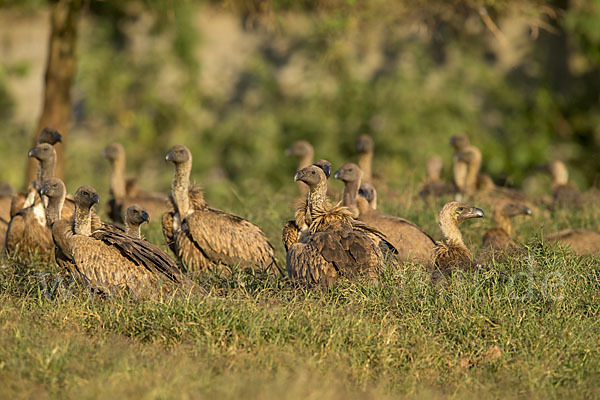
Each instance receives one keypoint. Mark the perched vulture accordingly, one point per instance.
(453, 255)
(304, 152)
(203, 237)
(582, 242)
(434, 185)
(113, 262)
(365, 148)
(466, 165)
(497, 241)
(369, 193)
(411, 242)
(126, 192)
(332, 247)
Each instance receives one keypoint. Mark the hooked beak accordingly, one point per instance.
(169, 156)
(476, 213)
(32, 152)
(298, 176)
(43, 190)
(527, 211)
(337, 174)
(95, 198)
(145, 217)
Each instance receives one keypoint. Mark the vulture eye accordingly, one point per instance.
(460, 209)
(312, 172)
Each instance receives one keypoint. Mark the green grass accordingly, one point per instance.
(528, 329)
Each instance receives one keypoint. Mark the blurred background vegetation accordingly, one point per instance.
(237, 81)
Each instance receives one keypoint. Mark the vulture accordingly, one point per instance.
(294, 229)
(27, 233)
(564, 193)
(466, 165)
(365, 148)
(125, 192)
(453, 255)
(304, 152)
(369, 193)
(497, 242)
(203, 237)
(45, 169)
(135, 216)
(411, 242)
(112, 262)
(332, 247)
(434, 185)
(582, 242)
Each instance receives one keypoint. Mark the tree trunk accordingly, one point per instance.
(60, 71)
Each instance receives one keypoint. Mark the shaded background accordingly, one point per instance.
(238, 81)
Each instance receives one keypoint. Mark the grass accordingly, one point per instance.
(527, 329)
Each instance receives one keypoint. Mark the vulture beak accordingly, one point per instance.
(32, 152)
(327, 170)
(57, 137)
(288, 151)
(337, 174)
(169, 156)
(145, 217)
(299, 175)
(475, 213)
(527, 211)
(95, 198)
(44, 190)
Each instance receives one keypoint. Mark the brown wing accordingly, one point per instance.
(5, 202)
(168, 233)
(290, 234)
(497, 245)
(228, 239)
(580, 241)
(17, 203)
(306, 266)
(62, 233)
(447, 259)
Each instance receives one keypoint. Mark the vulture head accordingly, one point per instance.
(114, 151)
(311, 175)
(325, 166)
(42, 152)
(348, 172)
(458, 212)
(86, 197)
(179, 154)
(364, 144)
(136, 215)
(49, 135)
(513, 208)
(53, 188)
(459, 141)
(368, 191)
(300, 149)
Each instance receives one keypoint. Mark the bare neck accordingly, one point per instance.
(54, 208)
(82, 221)
(350, 195)
(473, 171)
(503, 222)
(317, 196)
(363, 206)
(117, 178)
(452, 235)
(133, 230)
(180, 188)
(46, 170)
(364, 162)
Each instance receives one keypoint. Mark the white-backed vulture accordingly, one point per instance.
(135, 216)
(126, 192)
(581, 241)
(453, 255)
(497, 242)
(564, 193)
(203, 237)
(412, 243)
(365, 148)
(434, 185)
(113, 262)
(466, 165)
(332, 246)
(304, 152)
